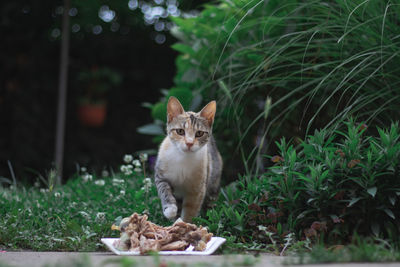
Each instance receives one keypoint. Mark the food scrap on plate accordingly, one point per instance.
(139, 234)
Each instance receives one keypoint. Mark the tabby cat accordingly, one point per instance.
(188, 167)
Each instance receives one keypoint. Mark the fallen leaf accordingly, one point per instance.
(276, 159)
(353, 163)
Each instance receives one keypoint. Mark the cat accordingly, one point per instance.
(189, 165)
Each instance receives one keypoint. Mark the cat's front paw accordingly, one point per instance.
(170, 211)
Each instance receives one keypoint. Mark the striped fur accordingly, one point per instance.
(188, 167)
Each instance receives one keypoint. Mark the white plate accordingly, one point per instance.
(212, 246)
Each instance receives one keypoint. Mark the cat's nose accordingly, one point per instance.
(189, 145)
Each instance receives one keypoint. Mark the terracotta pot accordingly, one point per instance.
(92, 115)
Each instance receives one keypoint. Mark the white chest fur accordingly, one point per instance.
(183, 170)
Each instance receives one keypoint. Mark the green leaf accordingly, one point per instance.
(279, 228)
(372, 191)
(389, 213)
(353, 201)
(190, 76)
(151, 129)
(186, 49)
(239, 227)
(225, 89)
(375, 228)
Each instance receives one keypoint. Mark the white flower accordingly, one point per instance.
(87, 177)
(100, 182)
(262, 228)
(137, 169)
(105, 173)
(147, 184)
(126, 169)
(85, 215)
(100, 217)
(116, 181)
(147, 180)
(83, 169)
(128, 158)
(42, 190)
(122, 192)
(136, 163)
(143, 157)
(57, 194)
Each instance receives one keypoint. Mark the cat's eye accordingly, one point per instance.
(180, 131)
(199, 133)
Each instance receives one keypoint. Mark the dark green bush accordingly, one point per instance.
(331, 187)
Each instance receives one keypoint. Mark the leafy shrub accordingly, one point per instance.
(333, 186)
(317, 61)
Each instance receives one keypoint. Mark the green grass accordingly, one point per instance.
(72, 217)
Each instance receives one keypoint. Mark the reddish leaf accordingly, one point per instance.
(339, 195)
(309, 232)
(265, 196)
(271, 228)
(254, 207)
(363, 127)
(319, 226)
(340, 152)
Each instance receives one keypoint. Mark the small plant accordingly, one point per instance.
(340, 184)
(95, 83)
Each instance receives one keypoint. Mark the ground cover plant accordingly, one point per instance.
(330, 189)
(76, 215)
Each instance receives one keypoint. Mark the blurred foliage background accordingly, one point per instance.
(125, 42)
(276, 68)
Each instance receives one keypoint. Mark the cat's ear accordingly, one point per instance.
(174, 108)
(208, 112)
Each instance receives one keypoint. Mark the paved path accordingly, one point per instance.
(40, 259)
